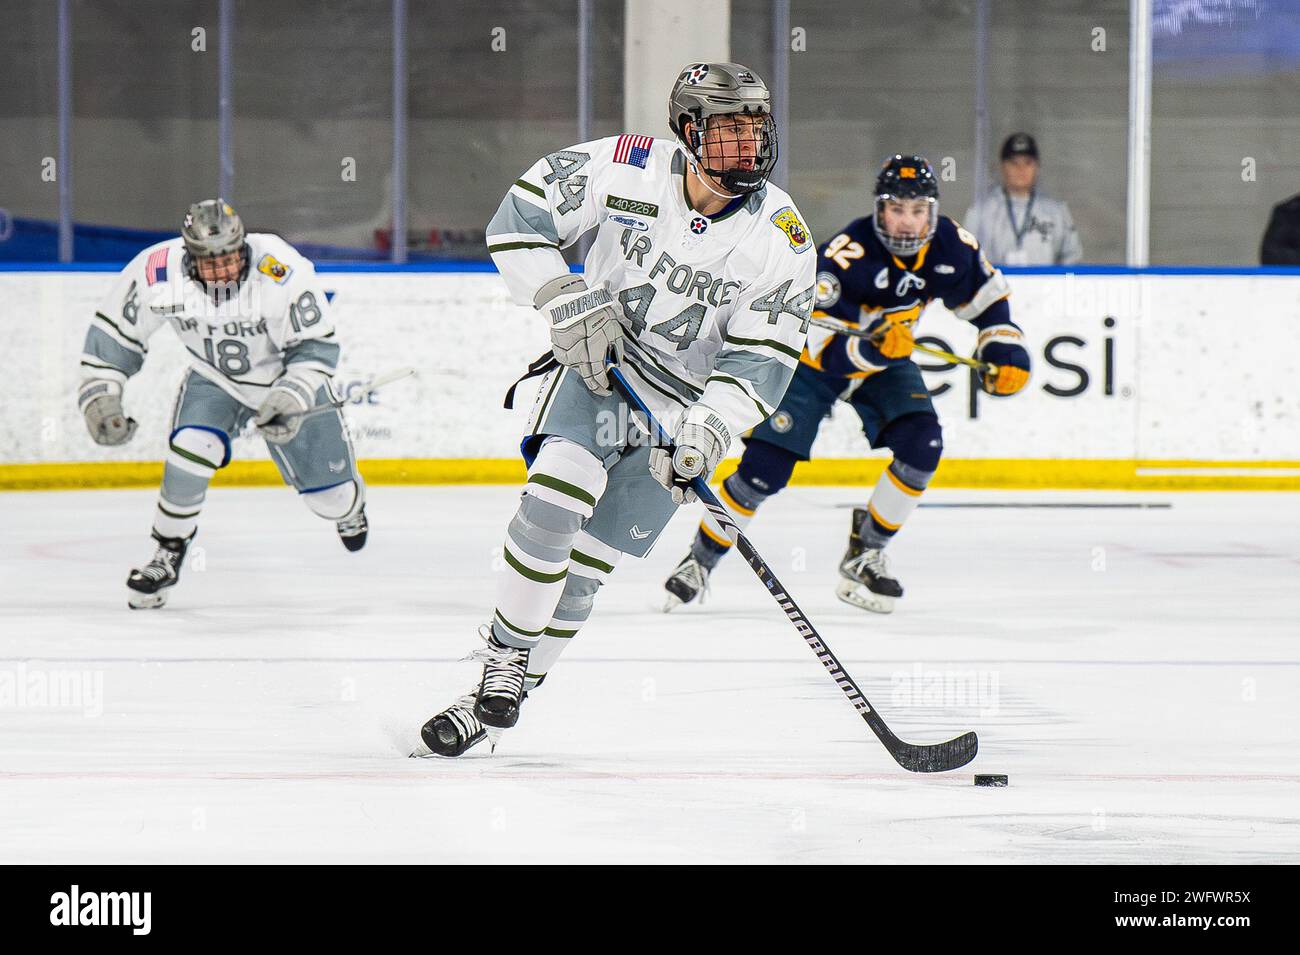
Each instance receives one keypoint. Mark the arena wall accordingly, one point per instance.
(1171, 379)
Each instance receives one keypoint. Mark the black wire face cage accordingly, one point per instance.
(744, 160)
(906, 245)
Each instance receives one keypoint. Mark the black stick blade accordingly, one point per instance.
(935, 757)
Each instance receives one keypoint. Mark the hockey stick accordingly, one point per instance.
(914, 757)
(983, 367)
(397, 374)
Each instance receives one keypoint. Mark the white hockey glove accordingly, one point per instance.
(702, 439)
(584, 328)
(280, 416)
(100, 401)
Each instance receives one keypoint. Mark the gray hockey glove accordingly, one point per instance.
(584, 328)
(100, 401)
(702, 439)
(280, 415)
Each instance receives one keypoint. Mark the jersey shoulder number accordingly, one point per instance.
(844, 250)
(564, 170)
(966, 236)
(951, 257)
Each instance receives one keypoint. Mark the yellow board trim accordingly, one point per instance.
(992, 473)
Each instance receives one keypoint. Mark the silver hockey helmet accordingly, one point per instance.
(213, 230)
(738, 158)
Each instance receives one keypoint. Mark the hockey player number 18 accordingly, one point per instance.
(304, 313)
(230, 357)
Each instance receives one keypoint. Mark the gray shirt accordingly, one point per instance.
(1032, 230)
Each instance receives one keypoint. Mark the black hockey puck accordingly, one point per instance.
(990, 780)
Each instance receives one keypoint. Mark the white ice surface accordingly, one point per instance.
(1146, 707)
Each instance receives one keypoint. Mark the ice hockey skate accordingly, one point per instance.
(689, 582)
(148, 586)
(501, 691)
(454, 731)
(354, 530)
(865, 581)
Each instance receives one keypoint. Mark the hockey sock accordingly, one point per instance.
(193, 457)
(711, 542)
(764, 469)
(590, 564)
(895, 497)
(563, 486)
(917, 443)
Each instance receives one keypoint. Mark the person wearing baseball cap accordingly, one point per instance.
(1016, 224)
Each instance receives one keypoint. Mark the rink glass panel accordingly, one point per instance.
(313, 90)
(480, 117)
(1224, 89)
(28, 110)
(144, 133)
(313, 128)
(877, 80)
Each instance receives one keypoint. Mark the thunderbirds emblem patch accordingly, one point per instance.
(786, 220)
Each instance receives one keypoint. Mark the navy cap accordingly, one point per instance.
(1019, 144)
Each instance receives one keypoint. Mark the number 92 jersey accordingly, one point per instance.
(860, 282)
(278, 320)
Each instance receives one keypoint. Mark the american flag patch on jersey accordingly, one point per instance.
(633, 150)
(155, 267)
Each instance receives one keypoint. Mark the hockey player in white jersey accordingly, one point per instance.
(699, 284)
(251, 313)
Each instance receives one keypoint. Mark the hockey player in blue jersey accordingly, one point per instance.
(879, 274)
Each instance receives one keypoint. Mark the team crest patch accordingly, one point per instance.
(699, 224)
(782, 422)
(695, 74)
(786, 220)
(828, 289)
(270, 265)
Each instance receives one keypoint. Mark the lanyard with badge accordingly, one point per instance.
(1020, 230)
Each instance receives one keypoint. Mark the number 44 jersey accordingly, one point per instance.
(277, 319)
(715, 307)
